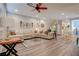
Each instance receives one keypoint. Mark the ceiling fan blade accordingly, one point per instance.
(38, 10)
(31, 5)
(42, 8)
(39, 4)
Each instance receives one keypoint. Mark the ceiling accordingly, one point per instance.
(54, 11)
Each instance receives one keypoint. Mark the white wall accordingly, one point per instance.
(59, 27)
(13, 21)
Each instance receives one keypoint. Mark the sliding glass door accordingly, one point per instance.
(75, 26)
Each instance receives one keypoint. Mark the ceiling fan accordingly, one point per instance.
(37, 7)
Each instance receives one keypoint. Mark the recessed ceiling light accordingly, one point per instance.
(16, 10)
(62, 13)
(36, 15)
(66, 16)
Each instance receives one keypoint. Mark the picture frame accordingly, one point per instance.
(42, 25)
(26, 25)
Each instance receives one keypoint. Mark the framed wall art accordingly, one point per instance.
(26, 25)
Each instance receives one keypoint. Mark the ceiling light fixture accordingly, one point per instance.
(66, 16)
(62, 13)
(16, 10)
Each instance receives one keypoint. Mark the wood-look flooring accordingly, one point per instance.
(42, 47)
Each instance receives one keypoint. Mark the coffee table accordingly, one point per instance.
(10, 44)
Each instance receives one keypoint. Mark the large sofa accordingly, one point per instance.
(42, 34)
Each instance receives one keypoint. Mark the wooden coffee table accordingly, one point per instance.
(10, 44)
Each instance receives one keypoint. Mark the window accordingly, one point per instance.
(0, 22)
(75, 25)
